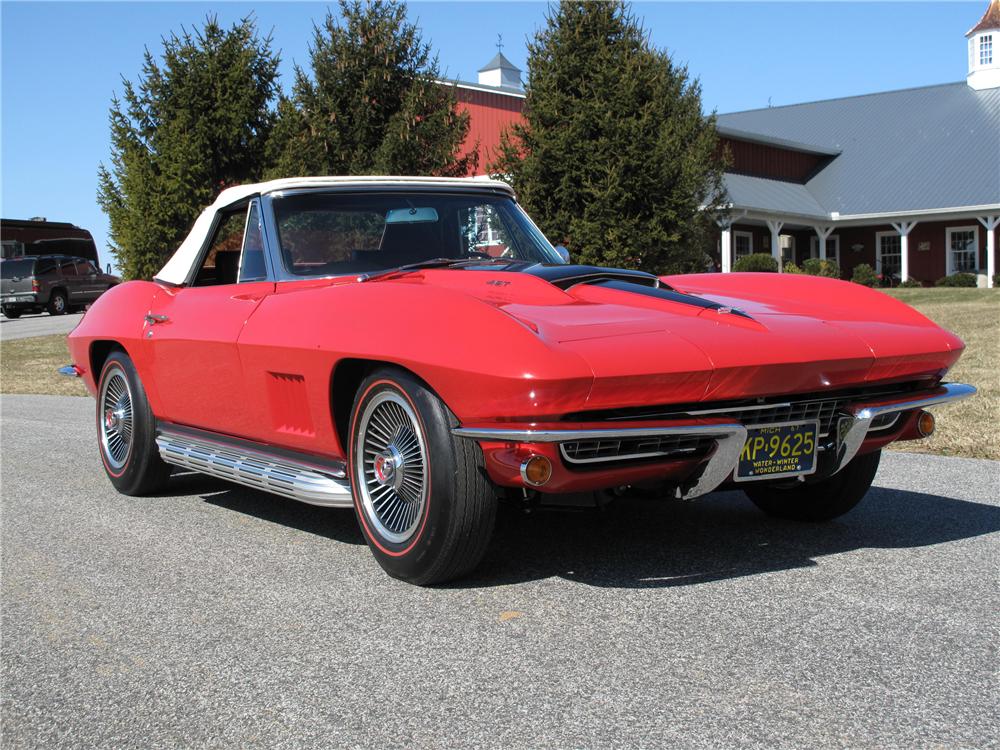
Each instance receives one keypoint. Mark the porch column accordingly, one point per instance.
(727, 248)
(991, 223)
(903, 228)
(726, 244)
(823, 234)
(775, 226)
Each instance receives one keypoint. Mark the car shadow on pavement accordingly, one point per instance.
(334, 523)
(651, 543)
(648, 544)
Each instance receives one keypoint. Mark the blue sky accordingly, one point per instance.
(62, 62)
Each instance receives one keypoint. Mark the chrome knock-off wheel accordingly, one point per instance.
(391, 461)
(116, 418)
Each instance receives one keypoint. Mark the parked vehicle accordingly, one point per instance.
(416, 349)
(56, 283)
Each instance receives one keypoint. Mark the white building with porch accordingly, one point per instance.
(907, 181)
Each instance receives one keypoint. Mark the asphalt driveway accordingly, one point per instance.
(218, 616)
(42, 324)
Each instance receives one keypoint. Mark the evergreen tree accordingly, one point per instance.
(615, 158)
(196, 122)
(371, 105)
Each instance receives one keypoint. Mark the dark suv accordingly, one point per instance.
(57, 283)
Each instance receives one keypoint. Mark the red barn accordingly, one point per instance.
(493, 103)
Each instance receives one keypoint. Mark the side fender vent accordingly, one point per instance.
(289, 402)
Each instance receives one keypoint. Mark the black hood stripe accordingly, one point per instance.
(668, 294)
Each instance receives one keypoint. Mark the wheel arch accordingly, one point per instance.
(346, 379)
(100, 350)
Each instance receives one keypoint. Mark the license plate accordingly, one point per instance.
(778, 450)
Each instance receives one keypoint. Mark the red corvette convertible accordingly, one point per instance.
(416, 349)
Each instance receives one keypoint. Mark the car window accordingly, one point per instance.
(67, 267)
(324, 234)
(45, 267)
(252, 266)
(221, 262)
(83, 268)
(16, 268)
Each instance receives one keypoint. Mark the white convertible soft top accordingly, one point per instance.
(177, 269)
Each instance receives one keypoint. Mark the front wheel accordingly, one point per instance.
(824, 500)
(126, 430)
(421, 496)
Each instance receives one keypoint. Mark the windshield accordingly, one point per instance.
(324, 234)
(11, 268)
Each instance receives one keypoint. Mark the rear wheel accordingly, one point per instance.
(11, 312)
(126, 430)
(57, 302)
(821, 501)
(421, 496)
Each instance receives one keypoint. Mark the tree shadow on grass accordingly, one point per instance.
(652, 543)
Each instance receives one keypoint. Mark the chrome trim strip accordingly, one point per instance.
(853, 428)
(500, 435)
(729, 439)
(678, 453)
(279, 475)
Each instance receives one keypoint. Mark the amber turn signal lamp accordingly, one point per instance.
(536, 471)
(925, 424)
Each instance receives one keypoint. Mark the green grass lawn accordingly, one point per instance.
(968, 428)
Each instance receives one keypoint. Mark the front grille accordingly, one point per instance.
(825, 412)
(614, 449)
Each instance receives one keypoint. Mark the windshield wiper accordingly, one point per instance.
(431, 263)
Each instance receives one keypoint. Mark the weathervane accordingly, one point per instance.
(499, 42)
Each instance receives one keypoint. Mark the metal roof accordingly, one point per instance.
(499, 61)
(760, 194)
(743, 135)
(910, 150)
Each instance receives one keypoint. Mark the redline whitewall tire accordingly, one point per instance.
(421, 495)
(126, 436)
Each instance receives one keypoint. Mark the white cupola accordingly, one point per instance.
(500, 73)
(984, 50)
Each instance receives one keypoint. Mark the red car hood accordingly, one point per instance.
(788, 334)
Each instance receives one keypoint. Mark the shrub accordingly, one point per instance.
(957, 279)
(818, 267)
(791, 268)
(865, 275)
(910, 283)
(761, 262)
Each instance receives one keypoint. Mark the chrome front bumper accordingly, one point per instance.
(852, 429)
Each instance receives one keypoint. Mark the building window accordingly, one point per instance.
(986, 49)
(963, 249)
(742, 244)
(832, 248)
(888, 254)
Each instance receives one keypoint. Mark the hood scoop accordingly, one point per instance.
(666, 293)
(565, 276)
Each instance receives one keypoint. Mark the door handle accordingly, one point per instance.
(153, 319)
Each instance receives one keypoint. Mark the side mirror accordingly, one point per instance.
(563, 253)
(107, 269)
